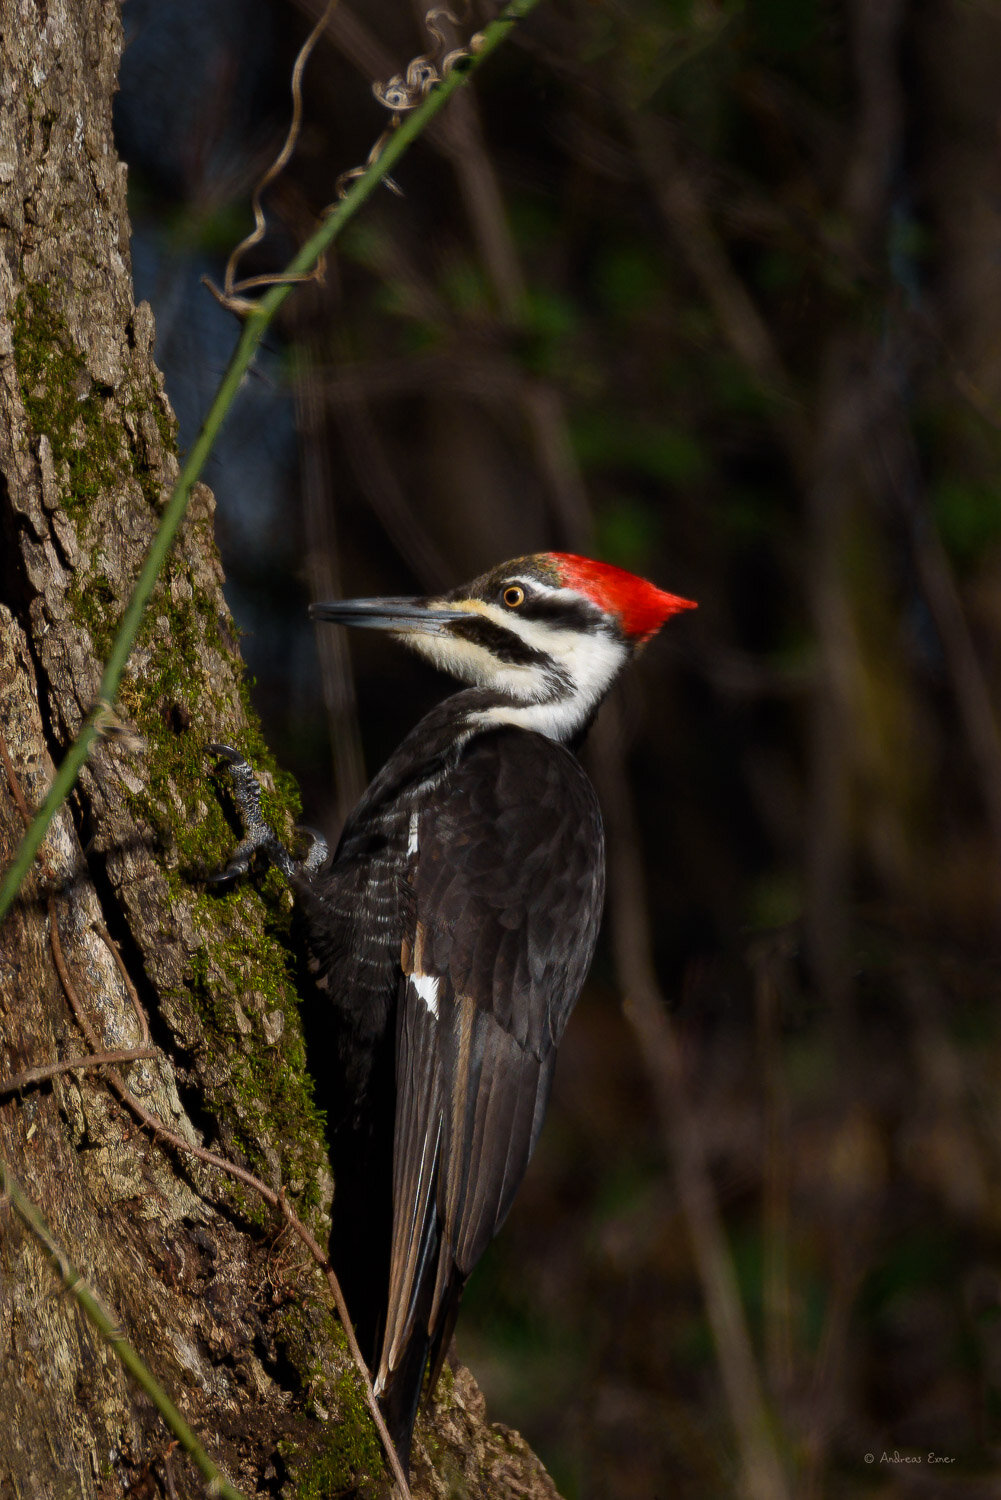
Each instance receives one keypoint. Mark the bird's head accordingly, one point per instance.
(545, 635)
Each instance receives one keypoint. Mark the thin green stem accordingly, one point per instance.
(257, 322)
(106, 1326)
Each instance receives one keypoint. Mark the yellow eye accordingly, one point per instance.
(513, 596)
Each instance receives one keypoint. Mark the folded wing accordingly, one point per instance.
(502, 905)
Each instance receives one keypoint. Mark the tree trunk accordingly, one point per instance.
(218, 1299)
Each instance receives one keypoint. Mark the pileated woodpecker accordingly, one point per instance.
(452, 932)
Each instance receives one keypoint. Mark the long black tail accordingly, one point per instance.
(399, 1399)
(401, 1396)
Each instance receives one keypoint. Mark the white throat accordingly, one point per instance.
(557, 702)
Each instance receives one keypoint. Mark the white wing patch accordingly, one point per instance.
(412, 839)
(426, 986)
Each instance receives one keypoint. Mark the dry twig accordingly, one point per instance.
(231, 294)
(402, 93)
(43, 1071)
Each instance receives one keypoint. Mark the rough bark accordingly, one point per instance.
(220, 1303)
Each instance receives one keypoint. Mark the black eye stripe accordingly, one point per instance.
(503, 644)
(557, 609)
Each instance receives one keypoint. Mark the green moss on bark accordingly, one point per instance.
(264, 1093)
(184, 687)
(342, 1454)
(83, 425)
(94, 433)
(177, 694)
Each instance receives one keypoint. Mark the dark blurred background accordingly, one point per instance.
(712, 289)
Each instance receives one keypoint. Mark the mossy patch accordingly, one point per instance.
(93, 432)
(83, 425)
(178, 693)
(342, 1454)
(327, 1470)
(241, 973)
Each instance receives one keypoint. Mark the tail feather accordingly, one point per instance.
(443, 1334)
(400, 1397)
(400, 1389)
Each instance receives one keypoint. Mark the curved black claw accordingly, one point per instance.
(316, 851)
(237, 866)
(258, 831)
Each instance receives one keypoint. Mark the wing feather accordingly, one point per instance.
(500, 1146)
(419, 1122)
(503, 902)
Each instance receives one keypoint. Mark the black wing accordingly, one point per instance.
(501, 915)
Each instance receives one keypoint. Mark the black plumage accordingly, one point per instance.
(452, 933)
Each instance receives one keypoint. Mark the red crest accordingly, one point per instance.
(641, 607)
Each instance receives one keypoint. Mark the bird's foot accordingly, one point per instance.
(258, 833)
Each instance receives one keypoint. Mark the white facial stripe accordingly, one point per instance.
(473, 663)
(586, 663)
(589, 662)
(557, 721)
(426, 986)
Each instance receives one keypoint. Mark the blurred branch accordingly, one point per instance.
(646, 1010)
(378, 481)
(827, 1385)
(776, 1289)
(875, 35)
(324, 582)
(770, 960)
(541, 402)
(683, 210)
(840, 428)
(897, 468)
(465, 148)
(485, 373)
(973, 697)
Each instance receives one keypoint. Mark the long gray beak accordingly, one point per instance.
(385, 614)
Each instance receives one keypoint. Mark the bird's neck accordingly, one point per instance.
(432, 748)
(564, 718)
(527, 673)
(560, 697)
